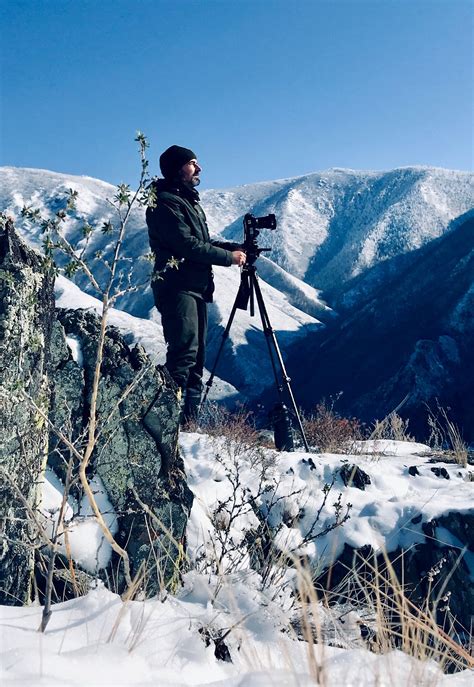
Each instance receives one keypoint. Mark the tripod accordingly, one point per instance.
(249, 290)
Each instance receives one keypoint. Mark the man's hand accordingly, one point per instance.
(238, 257)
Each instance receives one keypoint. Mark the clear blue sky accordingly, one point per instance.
(260, 89)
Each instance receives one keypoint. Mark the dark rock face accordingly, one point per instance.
(353, 476)
(26, 314)
(135, 455)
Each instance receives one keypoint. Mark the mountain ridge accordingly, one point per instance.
(342, 238)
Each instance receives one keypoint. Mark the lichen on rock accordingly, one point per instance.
(26, 315)
(136, 457)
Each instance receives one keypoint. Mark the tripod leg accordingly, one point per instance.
(270, 335)
(225, 336)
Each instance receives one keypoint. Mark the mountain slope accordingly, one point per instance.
(364, 238)
(337, 224)
(291, 307)
(410, 338)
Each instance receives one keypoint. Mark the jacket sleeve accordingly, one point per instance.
(228, 245)
(175, 235)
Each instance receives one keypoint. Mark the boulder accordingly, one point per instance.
(437, 570)
(136, 454)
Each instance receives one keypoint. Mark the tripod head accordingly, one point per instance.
(252, 226)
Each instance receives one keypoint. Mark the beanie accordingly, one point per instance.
(173, 159)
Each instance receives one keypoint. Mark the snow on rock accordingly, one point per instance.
(389, 447)
(74, 345)
(87, 544)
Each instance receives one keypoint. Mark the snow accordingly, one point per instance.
(381, 515)
(75, 347)
(101, 640)
(85, 539)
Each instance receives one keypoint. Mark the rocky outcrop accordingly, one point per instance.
(47, 362)
(26, 316)
(136, 453)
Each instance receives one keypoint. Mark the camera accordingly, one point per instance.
(252, 226)
(266, 222)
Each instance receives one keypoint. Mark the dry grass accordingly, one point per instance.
(328, 431)
(382, 617)
(446, 436)
(392, 427)
(217, 421)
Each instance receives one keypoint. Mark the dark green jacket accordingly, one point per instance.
(177, 228)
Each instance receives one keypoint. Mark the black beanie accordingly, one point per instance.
(173, 159)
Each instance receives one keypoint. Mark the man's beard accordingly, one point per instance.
(192, 183)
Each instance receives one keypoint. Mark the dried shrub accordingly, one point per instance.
(237, 425)
(446, 436)
(329, 431)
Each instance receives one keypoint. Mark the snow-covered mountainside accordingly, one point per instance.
(359, 237)
(393, 255)
(293, 306)
(410, 338)
(334, 225)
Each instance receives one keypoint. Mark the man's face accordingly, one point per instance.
(189, 173)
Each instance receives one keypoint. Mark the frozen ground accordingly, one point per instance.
(101, 640)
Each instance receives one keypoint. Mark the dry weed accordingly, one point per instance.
(328, 431)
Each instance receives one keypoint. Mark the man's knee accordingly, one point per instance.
(180, 322)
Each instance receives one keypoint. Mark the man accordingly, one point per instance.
(183, 281)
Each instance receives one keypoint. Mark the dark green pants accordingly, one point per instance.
(184, 320)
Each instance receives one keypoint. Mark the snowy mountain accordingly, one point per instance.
(334, 225)
(393, 254)
(367, 240)
(410, 336)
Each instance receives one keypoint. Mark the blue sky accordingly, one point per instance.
(260, 89)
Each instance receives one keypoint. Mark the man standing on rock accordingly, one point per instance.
(179, 236)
